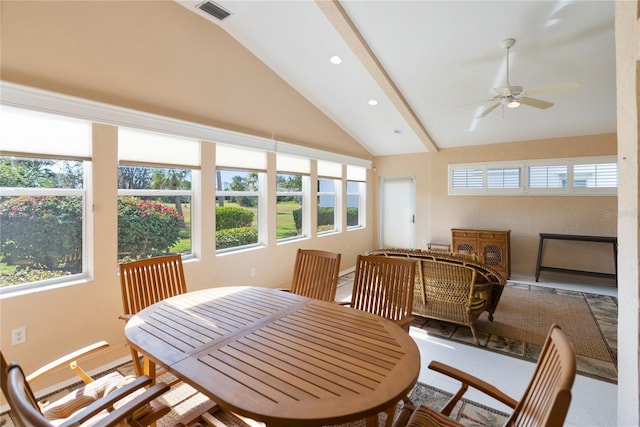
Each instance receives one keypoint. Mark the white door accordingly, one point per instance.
(397, 212)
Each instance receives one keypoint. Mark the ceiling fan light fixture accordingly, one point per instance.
(513, 103)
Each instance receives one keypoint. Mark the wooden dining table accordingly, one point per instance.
(278, 357)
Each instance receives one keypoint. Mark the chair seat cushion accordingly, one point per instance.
(477, 304)
(426, 417)
(60, 410)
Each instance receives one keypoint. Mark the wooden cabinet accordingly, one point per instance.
(492, 246)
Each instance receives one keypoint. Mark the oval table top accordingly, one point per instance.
(278, 357)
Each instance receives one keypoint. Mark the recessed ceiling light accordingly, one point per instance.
(335, 59)
(372, 102)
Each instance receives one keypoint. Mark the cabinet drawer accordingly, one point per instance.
(493, 236)
(460, 234)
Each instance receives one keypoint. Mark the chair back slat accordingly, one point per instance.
(148, 281)
(548, 395)
(315, 274)
(384, 286)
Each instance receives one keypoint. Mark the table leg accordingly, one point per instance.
(149, 368)
(391, 413)
(372, 420)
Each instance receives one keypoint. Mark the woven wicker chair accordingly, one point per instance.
(146, 282)
(450, 293)
(485, 275)
(384, 286)
(545, 401)
(315, 274)
(106, 401)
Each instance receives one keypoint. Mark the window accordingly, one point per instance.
(503, 178)
(329, 182)
(154, 212)
(239, 175)
(44, 173)
(554, 176)
(466, 178)
(595, 175)
(154, 194)
(356, 193)
(580, 176)
(291, 212)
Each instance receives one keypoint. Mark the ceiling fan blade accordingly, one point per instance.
(552, 88)
(488, 110)
(537, 103)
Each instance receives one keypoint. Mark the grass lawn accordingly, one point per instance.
(285, 226)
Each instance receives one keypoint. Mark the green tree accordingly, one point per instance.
(15, 172)
(248, 183)
(175, 179)
(134, 177)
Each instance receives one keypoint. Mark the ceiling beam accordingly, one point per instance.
(345, 27)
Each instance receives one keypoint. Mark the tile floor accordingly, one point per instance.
(594, 402)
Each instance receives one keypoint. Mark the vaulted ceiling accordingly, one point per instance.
(432, 66)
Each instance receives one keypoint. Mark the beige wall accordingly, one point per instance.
(525, 216)
(156, 57)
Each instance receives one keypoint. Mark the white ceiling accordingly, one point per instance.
(425, 61)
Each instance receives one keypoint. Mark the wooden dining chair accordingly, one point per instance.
(545, 401)
(315, 274)
(384, 286)
(147, 281)
(106, 401)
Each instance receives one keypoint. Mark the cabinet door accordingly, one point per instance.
(494, 253)
(465, 246)
(465, 241)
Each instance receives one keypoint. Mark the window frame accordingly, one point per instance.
(261, 204)
(337, 184)
(304, 196)
(143, 192)
(87, 223)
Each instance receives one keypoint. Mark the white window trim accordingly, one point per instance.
(262, 207)
(362, 204)
(87, 233)
(524, 189)
(304, 194)
(337, 206)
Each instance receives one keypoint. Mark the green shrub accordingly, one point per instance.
(42, 231)
(297, 218)
(352, 217)
(234, 237)
(325, 216)
(232, 217)
(146, 228)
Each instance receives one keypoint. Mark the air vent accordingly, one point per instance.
(214, 10)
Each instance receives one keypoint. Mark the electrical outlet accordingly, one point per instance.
(19, 335)
(252, 272)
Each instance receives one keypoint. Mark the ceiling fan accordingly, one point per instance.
(514, 96)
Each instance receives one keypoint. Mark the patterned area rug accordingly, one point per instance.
(467, 413)
(182, 399)
(523, 318)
